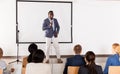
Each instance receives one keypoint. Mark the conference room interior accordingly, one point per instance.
(93, 24)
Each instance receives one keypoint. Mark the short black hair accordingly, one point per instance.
(32, 47)
(38, 56)
(50, 12)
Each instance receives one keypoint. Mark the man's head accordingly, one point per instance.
(50, 14)
(114, 45)
(118, 49)
(77, 49)
(38, 56)
(32, 47)
(1, 53)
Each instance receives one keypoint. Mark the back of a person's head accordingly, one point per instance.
(90, 56)
(1, 53)
(114, 45)
(38, 56)
(118, 49)
(77, 49)
(90, 59)
(32, 47)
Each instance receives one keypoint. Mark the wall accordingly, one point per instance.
(95, 27)
(8, 26)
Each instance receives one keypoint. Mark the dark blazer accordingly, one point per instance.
(50, 31)
(76, 60)
(84, 70)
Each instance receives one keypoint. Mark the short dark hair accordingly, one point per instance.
(50, 12)
(38, 56)
(77, 48)
(32, 47)
(115, 44)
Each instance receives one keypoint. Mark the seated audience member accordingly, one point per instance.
(37, 66)
(3, 64)
(76, 60)
(90, 67)
(114, 45)
(113, 60)
(32, 48)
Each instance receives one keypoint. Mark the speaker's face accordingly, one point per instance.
(51, 15)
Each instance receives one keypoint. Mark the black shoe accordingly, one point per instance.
(59, 61)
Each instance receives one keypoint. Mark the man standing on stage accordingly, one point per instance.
(51, 27)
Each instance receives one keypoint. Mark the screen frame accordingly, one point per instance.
(17, 24)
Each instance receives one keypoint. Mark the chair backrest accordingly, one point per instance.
(73, 69)
(23, 70)
(1, 71)
(114, 70)
(57, 68)
(24, 63)
(38, 68)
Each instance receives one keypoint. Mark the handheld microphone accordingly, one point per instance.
(51, 22)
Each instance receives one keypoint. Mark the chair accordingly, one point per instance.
(73, 69)
(24, 63)
(38, 68)
(1, 71)
(57, 68)
(114, 70)
(23, 70)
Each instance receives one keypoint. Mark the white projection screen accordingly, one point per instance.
(30, 16)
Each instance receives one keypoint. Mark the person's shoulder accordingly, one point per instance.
(98, 66)
(3, 64)
(46, 19)
(83, 67)
(99, 69)
(70, 58)
(55, 19)
(83, 70)
(2, 61)
(32, 63)
(112, 56)
(78, 56)
(38, 65)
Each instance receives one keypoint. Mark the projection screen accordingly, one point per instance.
(30, 17)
